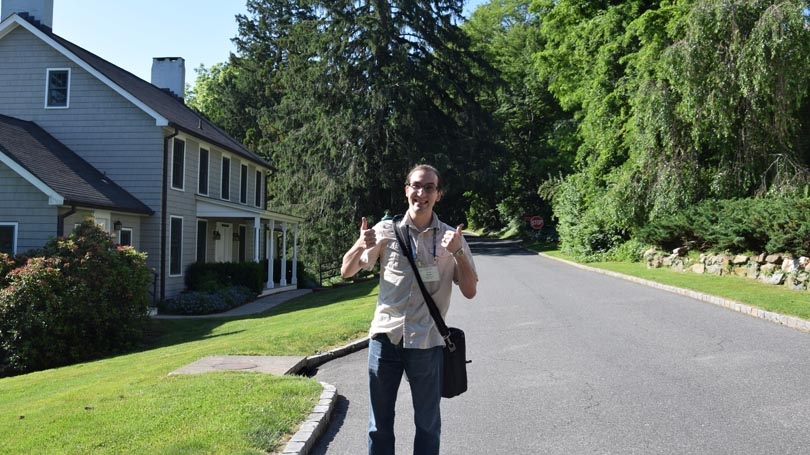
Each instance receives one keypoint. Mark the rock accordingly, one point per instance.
(740, 259)
(774, 259)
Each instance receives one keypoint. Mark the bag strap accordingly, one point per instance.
(434, 310)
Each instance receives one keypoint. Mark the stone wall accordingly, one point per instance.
(775, 269)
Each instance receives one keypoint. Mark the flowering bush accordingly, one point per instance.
(83, 299)
(198, 303)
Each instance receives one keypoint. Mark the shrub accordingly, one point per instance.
(736, 225)
(210, 277)
(85, 299)
(199, 303)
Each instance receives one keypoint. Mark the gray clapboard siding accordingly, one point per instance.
(22, 203)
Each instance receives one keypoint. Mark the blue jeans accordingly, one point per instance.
(386, 363)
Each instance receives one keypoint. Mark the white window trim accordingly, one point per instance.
(15, 240)
(182, 224)
(208, 174)
(131, 235)
(259, 180)
(196, 237)
(230, 172)
(171, 177)
(244, 177)
(47, 88)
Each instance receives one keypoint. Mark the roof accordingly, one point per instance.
(150, 97)
(44, 160)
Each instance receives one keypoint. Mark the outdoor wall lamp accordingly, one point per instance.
(217, 236)
(117, 226)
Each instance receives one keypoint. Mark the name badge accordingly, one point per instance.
(429, 273)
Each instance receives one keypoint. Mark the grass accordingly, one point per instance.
(129, 404)
(777, 299)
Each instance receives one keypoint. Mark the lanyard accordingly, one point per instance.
(413, 245)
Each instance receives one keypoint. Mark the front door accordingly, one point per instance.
(224, 243)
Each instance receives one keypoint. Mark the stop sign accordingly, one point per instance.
(536, 222)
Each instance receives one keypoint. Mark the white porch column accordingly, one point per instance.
(283, 280)
(257, 226)
(271, 248)
(295, 255)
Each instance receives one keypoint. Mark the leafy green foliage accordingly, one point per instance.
(675, 103)
(535, 137)
(215, 276)
(343, 98)
(86, 298)
(772, 225)
(199, 303)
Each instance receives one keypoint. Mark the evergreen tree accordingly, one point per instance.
(347, 96)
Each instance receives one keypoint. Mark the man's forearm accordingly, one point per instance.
(351, 261)
(467, 278)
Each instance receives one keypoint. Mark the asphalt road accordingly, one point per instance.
(567, 361)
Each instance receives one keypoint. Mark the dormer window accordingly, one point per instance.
(57, 93)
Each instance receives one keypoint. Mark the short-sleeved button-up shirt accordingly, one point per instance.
(401, 311)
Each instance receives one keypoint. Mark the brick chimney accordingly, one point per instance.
(169, 73)
(40, 11)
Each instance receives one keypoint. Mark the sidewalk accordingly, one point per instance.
(315, 424)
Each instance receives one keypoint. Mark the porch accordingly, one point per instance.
(239, 234)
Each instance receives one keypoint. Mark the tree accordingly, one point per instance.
(536, 137)
(676, 102)
(347, 96)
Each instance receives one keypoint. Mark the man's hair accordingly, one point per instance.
(426, 168)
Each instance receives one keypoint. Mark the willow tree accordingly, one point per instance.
(676, 102)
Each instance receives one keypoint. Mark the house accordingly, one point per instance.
(82, 137)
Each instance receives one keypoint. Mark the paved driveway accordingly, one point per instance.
(567, 361)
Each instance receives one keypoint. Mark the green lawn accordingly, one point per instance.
(777, 299)
(129, 405)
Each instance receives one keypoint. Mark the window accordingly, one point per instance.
(226, 178)
(175, 246)
(202, 240)
(8, 238)
(178, 164)
(243, 184)
(258, 196)
(242, 243)
(202, 174)
(58, 89)
(125, 236)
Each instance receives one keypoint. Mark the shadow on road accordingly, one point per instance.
(498, 247)
(336, 420)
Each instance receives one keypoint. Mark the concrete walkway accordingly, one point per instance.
(317, 421)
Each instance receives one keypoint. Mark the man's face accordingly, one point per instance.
(422, 191)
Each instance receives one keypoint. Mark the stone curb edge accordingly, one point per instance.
(788, 321)
(315, 424)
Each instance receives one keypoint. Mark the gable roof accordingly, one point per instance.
(58, 172)
(160, 104)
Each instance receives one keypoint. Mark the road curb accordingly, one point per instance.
(317, 421)
(315, 424)
(788, 321)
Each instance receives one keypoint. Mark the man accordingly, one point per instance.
(404, 337)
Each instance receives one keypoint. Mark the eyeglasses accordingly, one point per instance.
(428, 189)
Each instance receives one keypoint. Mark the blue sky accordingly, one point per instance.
(129, 33)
